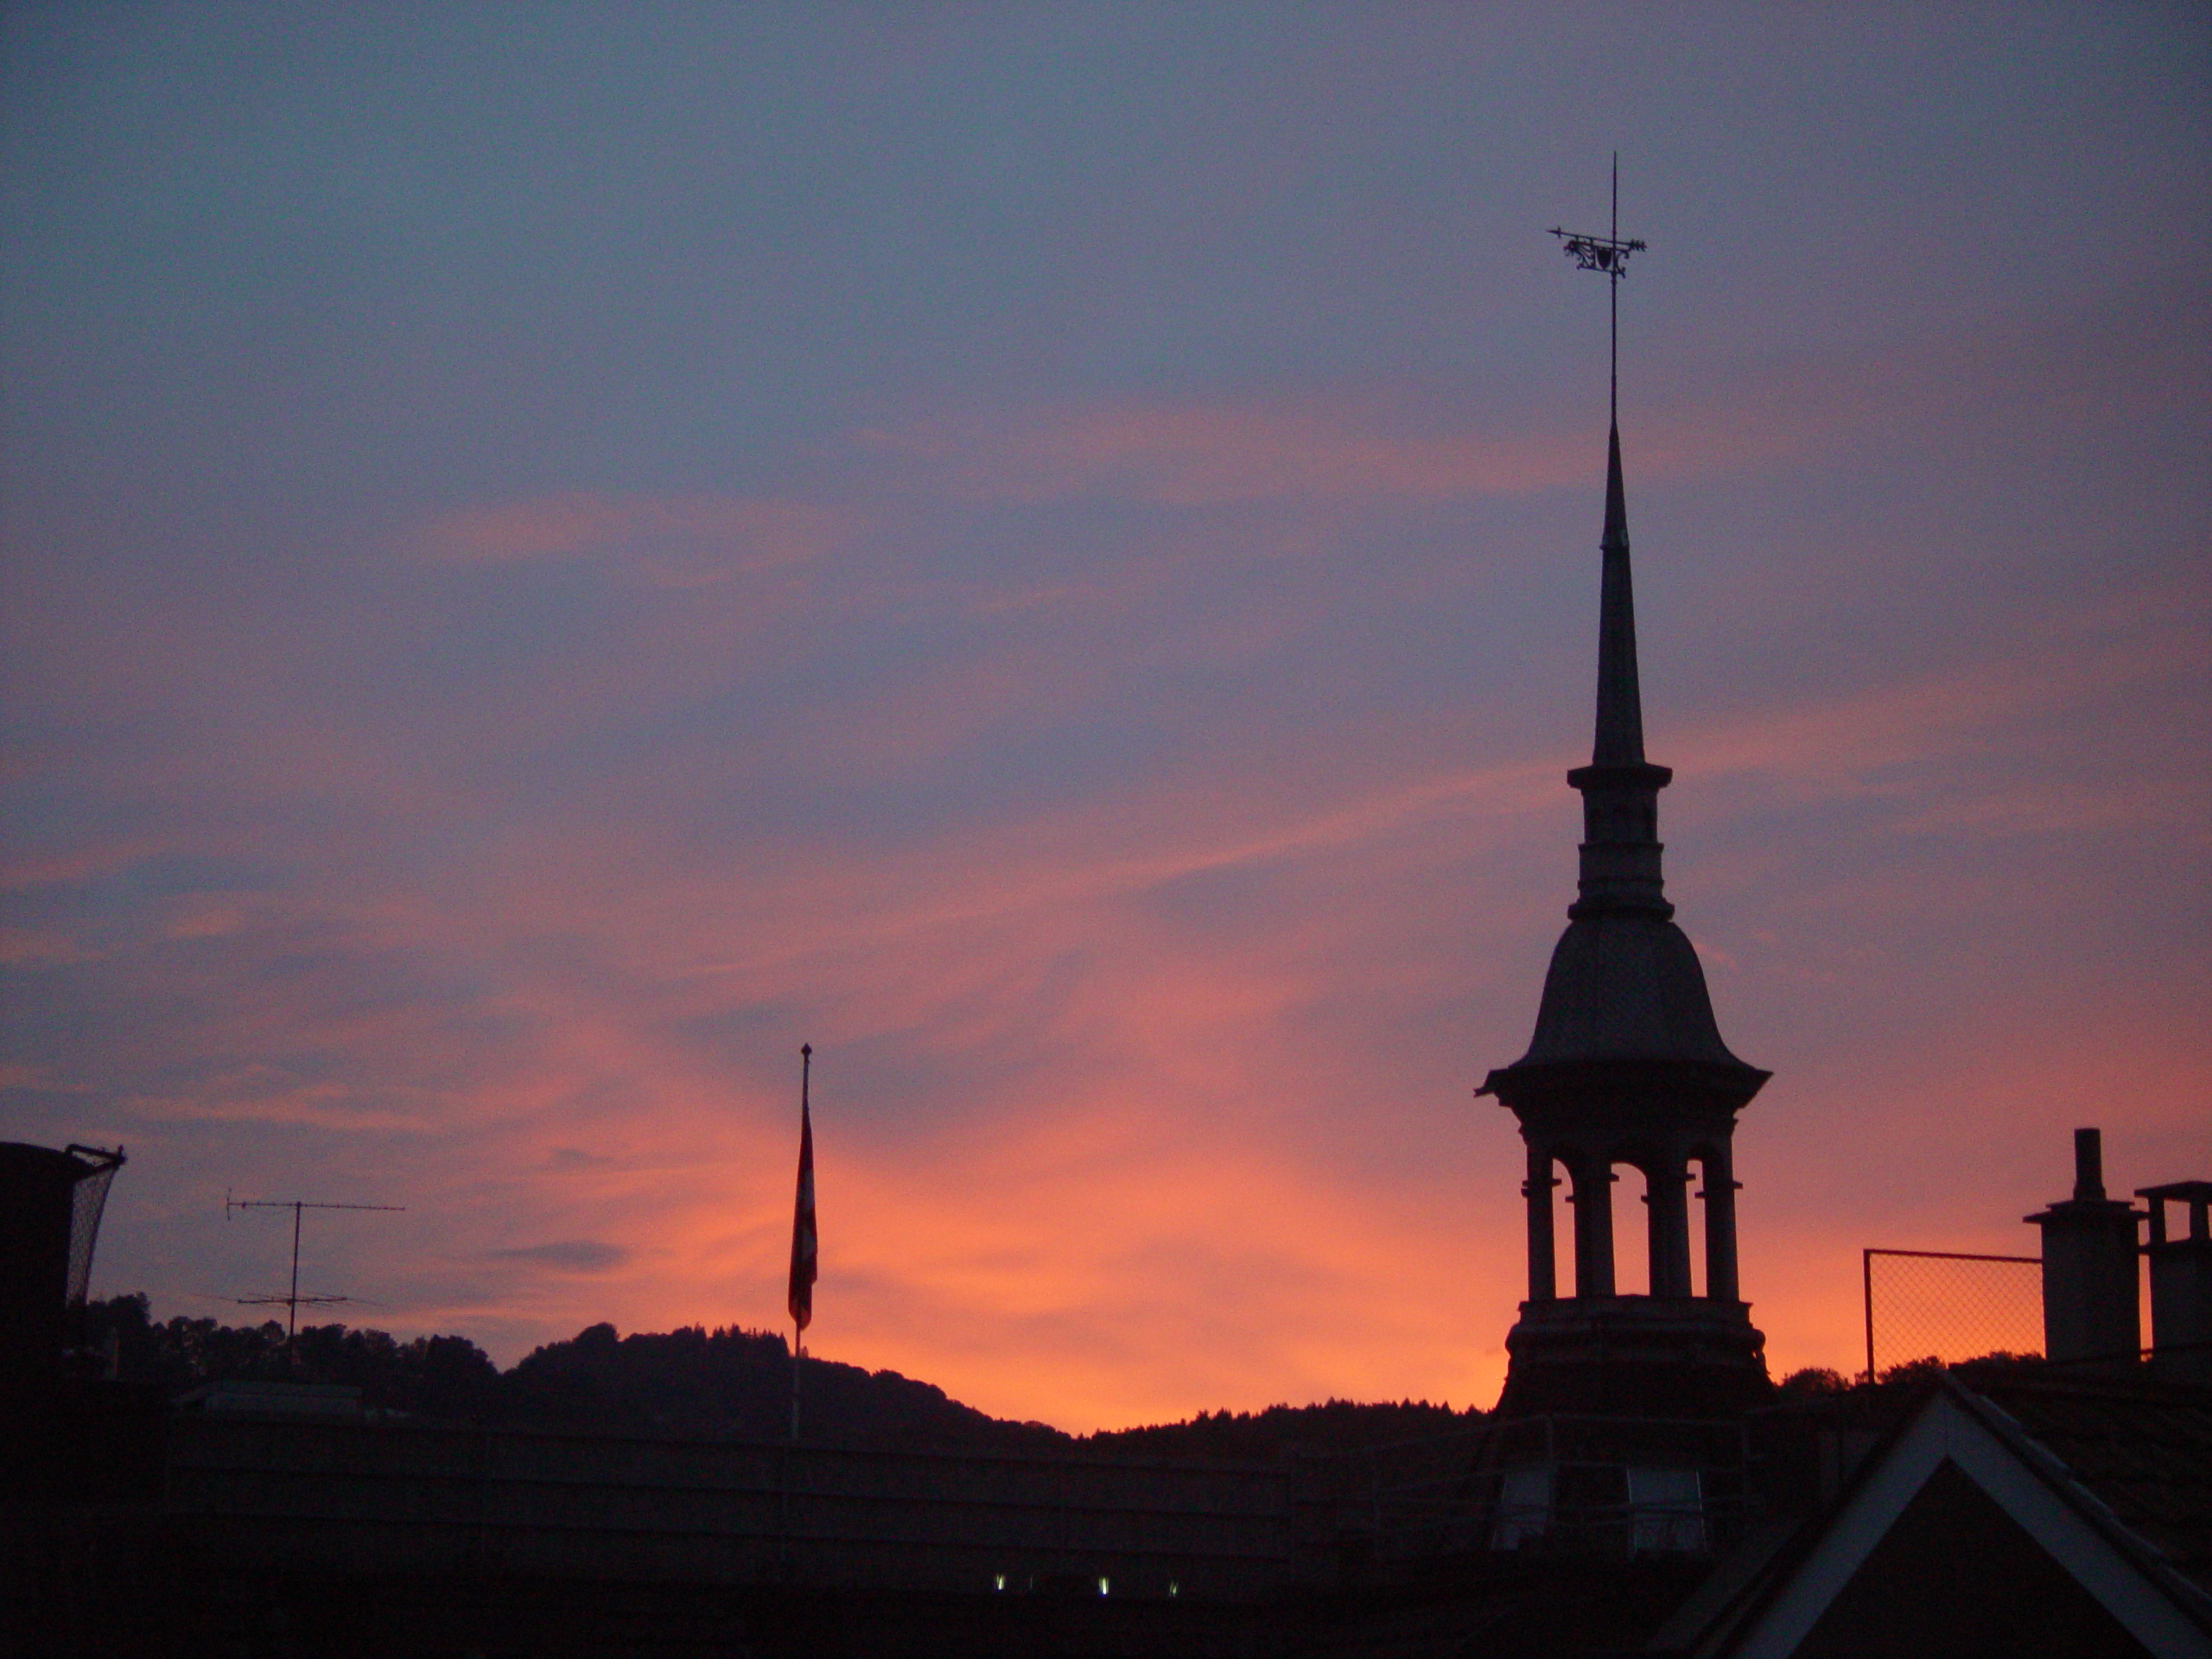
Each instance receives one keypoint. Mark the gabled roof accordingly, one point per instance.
(2104, 1486)
(2144, 1450)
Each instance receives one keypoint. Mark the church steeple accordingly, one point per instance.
(1627, 1071)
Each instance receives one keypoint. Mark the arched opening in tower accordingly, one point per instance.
(1631, 1247)
(1699, 1276)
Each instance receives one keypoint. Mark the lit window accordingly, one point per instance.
(1666, 1510)
(1524, 1507)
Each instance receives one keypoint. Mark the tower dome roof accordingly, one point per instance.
(1626, 987)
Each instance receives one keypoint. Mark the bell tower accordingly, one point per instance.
(1620, 1425)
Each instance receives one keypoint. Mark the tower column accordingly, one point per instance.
(1719, 1196)
(1593, 1227)
(1669, 1224)
(1543, 1267)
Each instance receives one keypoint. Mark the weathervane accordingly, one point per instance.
(1608, 255)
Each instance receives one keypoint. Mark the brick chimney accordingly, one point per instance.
(2092, 1310)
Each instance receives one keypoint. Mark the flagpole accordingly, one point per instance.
(800, 1298)
(801, 1288)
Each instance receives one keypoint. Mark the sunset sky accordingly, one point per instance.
(554, 553)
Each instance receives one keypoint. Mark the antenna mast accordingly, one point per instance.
(293, 1301)
(1607, 255)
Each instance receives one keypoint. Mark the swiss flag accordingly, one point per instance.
(801, 1298)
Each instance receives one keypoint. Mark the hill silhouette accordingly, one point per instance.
(694, 1383)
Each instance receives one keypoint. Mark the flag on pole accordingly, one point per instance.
(801, 1298)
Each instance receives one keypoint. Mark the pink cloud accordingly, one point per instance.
(1407, 441)
(2133, 648)
(667, 541)
(72, 865)
(1196, 455)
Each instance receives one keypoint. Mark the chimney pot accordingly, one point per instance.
(2089, 1164)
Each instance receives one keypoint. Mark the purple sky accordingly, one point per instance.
(554, 553)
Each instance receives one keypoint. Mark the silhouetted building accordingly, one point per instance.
(1626, 1397)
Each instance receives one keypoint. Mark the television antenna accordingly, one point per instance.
(293, 1301)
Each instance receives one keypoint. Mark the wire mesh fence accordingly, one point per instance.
(1943, 1306)
(86, 1202)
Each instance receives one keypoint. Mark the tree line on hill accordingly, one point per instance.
(722, 1384)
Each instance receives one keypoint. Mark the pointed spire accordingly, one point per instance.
(1620, 789)
(1620, 703)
